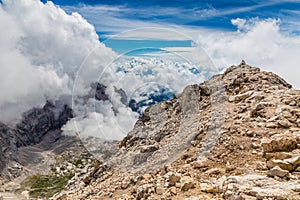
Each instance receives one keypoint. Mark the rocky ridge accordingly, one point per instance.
(236, 136)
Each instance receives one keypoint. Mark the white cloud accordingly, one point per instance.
(139, 78)
(260, 43)
(41, 49)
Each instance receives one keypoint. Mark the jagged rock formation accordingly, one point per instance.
(38, 124)
(235, 136)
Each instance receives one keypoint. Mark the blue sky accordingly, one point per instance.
(210, 14)
(111, 18)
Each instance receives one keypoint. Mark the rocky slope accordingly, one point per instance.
(236, 136)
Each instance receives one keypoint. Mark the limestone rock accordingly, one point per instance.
(240, 97)
(187, 183)
(285, 123)
(280, 163)
(278, 155)
(279, 143)
(277, 171)
(261, 166)
(172, 178)
(295, 161)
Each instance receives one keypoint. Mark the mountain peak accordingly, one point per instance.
(218, 139)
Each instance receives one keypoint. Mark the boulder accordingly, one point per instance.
(287, 142)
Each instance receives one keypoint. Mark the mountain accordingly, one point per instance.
(235, 136)
(36, 123)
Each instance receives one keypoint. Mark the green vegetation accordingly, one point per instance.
(44, 185)
(77, 162)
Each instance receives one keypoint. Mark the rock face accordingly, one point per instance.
(235, 136)
(38, 122)
(35, 125)
(7, 144)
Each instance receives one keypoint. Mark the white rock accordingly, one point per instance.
(240, 97)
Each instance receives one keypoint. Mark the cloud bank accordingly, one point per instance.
(41, 49)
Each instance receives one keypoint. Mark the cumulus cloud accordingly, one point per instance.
(41, 50)
(260, 42)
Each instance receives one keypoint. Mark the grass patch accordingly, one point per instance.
(44, 185)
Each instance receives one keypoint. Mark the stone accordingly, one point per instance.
(210, 188)
(192, 198)
(69, 167)
(172, 190)
(297, 169)
(149, 148)
(215, 171)
(25, 194)
(240, 97)
(159, 190)
(199, 164)
(57, 169)
(146, 177)
(280, 163)
(143, 191)
(261, 166)
(173, 178)
(277, 171)
(125, 184)
(187, 183)
(278, 155)
(285, 123)
(87, 180)
(295, 161)
(271, 125)
(298, 122)
(279, 143)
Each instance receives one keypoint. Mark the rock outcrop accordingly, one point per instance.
(34, 127)
(235, 136)
(7, 144)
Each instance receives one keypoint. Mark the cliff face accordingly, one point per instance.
(8, 145)
(36, 124)
(235, 136)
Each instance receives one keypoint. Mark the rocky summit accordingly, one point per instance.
(235, 136)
